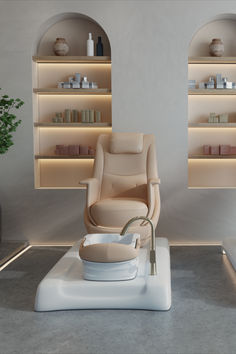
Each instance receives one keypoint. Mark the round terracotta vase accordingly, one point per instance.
(216, 47)
(60, 47)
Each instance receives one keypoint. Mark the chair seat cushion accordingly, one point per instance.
(115, 212)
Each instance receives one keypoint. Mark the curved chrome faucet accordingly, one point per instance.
(153, 270)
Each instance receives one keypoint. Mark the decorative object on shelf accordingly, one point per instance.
(93, 85)
(98, 117)
(213, 118)
(99, 47)
(83, 118)
(90, 46)
(215, 150)
(225, 150)
(216, 47)
(83, 150)
(74, 82)
(58, 118)
(219, 150)
(61, 47)
(85, 83)
(66, 85)
(77, 77)
(75, 116)
(87, 115)
(8, 121)
(191, 84)
(91, 116)
(221, 83)
(67, 116)
(74, 150)
(221, 118)
(232, 150)
(206, 149)
(91, 150)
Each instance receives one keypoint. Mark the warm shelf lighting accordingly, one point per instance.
(210, 187)
(98, 64)
(97, 129)
(212, 128)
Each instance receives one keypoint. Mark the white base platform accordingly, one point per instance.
(230, 249)
(64, 288)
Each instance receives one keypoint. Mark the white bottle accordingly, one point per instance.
(90, 46)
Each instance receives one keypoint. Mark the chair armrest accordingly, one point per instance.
(151, 194)
(93, 190)
(154, 181)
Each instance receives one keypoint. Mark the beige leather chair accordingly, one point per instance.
(125, 184)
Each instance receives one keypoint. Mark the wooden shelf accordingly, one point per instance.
(212, 125)
(212, 92)
(57, 91)
(221, 157)
(73, 59)
(70, 125)
(80, 186)
(67, 157)
(212, 60)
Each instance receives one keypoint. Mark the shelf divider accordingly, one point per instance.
(72, 59)
(64, 157)
(61, 91)
(205, 157)
(212, 92)
(70, 125)
(212, 125)
(212, 60)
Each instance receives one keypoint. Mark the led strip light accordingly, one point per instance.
(14, 258)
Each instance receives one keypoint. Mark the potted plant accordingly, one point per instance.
(8, 121)
(8, 124)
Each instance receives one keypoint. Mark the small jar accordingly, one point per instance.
(216, 47)
(60, 47)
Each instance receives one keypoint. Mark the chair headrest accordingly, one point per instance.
(126, 143)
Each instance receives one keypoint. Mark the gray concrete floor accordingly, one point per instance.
(7, 248)
(202, 319)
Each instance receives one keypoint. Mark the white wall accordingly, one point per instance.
(149, 42)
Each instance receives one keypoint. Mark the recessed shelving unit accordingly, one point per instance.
(211, 171)
(65, 171)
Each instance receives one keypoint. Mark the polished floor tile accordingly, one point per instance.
(202, 319)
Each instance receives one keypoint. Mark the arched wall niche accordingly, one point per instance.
(221, 26)
(84, 112)
(205, 170)
(74, 28)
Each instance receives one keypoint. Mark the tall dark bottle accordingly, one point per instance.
(99, 47)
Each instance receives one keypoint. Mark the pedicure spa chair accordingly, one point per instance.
(119, 264)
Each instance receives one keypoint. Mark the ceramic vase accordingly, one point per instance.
(60, 47)
(216, 47)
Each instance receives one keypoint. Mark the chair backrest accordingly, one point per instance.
(124, 163)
